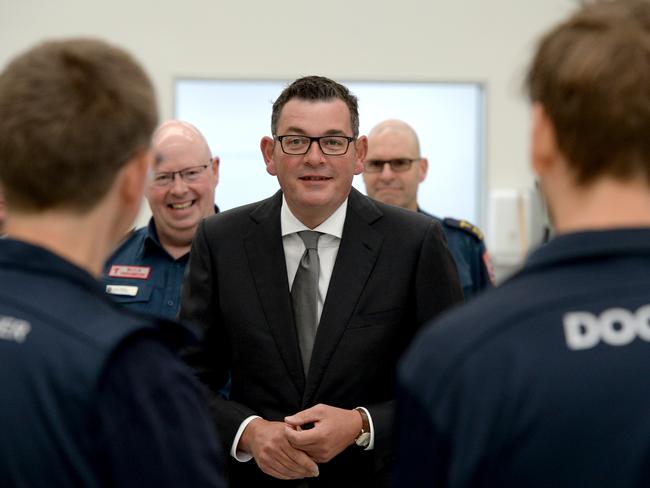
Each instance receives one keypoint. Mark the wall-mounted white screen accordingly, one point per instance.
(448, 117)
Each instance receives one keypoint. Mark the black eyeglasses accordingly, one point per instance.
(329, 145)
(188, 175)
(397, 165)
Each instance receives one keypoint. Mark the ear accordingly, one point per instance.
(424, 167)
(544, 150)
(134, 176)
(267, 145)
(127, 190)
(214, 167)
(361, 148)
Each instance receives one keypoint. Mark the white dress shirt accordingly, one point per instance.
(294, 247)
(328, 246)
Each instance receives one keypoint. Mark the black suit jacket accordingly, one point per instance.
(393, 273)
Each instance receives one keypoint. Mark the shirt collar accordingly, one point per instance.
(153, 247)
(25, 256)
(152, 233)
(588, 245)
(290, 224)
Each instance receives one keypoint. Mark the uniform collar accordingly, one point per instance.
(589, 245)
(151, 236)
(23, 256)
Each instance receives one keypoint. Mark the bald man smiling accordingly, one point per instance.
(146, 272)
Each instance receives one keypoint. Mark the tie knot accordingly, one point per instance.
(310, 238)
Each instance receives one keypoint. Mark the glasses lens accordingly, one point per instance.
(295, 144)
(399, 165)
(190, 175)
(334, 145)
(373, 166)
(162, 179)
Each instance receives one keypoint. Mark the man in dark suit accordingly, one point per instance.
(320, 409)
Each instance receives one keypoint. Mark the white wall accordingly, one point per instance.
(422, 40)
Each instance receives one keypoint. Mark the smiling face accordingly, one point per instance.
(179, 207)
(388, 141)
(314, 184)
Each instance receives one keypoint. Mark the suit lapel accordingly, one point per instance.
(358, 252)
(263, 244)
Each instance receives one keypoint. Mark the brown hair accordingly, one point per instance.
(316, 88)
(592, 76)
(72, 112)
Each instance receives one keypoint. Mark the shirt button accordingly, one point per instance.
(170, 303)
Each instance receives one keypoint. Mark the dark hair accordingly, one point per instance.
(316, 88)
(592, 76)
(72, 112)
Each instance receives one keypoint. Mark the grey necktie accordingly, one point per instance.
(304, 294)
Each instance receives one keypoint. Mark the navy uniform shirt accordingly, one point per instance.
(142, 276)
(93, 395)
(544, 381)
(465, 242)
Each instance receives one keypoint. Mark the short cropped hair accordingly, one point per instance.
(72, 112)
(592, 76)
(316, 88)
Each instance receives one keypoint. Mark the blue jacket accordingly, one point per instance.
(543, 381)
(90, 391)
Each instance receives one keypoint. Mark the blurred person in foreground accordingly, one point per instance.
(393, 171)
(93, 395)
(543, 381)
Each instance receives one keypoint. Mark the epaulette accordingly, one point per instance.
(464, 225)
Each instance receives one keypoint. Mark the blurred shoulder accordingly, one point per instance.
(398, 217)
(257, 211)
(463, 227)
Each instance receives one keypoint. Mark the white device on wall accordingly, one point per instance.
(517, 223)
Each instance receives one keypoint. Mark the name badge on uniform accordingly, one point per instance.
(122, 290)
(126, 271)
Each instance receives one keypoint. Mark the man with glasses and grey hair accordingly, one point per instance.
(393, 171)
(146, 272)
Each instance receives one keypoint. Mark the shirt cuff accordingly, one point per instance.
(241, 456)
(371, 445)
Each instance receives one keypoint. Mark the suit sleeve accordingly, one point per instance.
(210, 360)
(437, 284)
(485, 278)
(437, 289)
